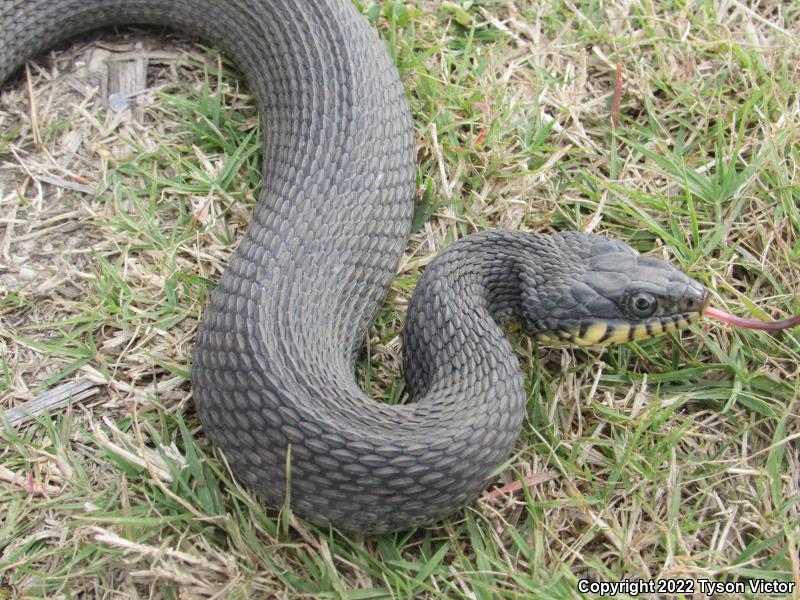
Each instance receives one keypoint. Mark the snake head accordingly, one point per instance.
(609, 294)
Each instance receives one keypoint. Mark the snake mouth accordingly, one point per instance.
(605, 333)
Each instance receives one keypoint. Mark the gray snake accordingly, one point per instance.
(273, 366)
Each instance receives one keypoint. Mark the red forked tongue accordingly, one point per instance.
(715, 313)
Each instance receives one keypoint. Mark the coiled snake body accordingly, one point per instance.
(273, 365)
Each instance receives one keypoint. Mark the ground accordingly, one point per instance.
(675, 458)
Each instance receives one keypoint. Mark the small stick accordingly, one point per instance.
(37, 140)
(516, 486)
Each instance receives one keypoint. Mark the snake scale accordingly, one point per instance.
(273, 367)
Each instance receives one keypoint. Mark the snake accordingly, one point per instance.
(273, 368)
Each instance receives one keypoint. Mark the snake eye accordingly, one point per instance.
(642, 304)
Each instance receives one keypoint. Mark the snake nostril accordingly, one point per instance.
(692, 304)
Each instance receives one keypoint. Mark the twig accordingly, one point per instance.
(37, 140)
(516, 486)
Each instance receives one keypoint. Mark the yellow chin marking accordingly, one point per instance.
(604, 334)
(619, 335)
(595, 334)
(640, 332)
(549, 340)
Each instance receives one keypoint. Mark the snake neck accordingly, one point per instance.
(463, 318)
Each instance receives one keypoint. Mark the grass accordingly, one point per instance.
(671, 458)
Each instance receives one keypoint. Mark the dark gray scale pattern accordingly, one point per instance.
(274, 361)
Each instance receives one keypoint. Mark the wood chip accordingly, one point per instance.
(51, 400)
(64, 183)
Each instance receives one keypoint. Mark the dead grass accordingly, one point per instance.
(673, 458)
